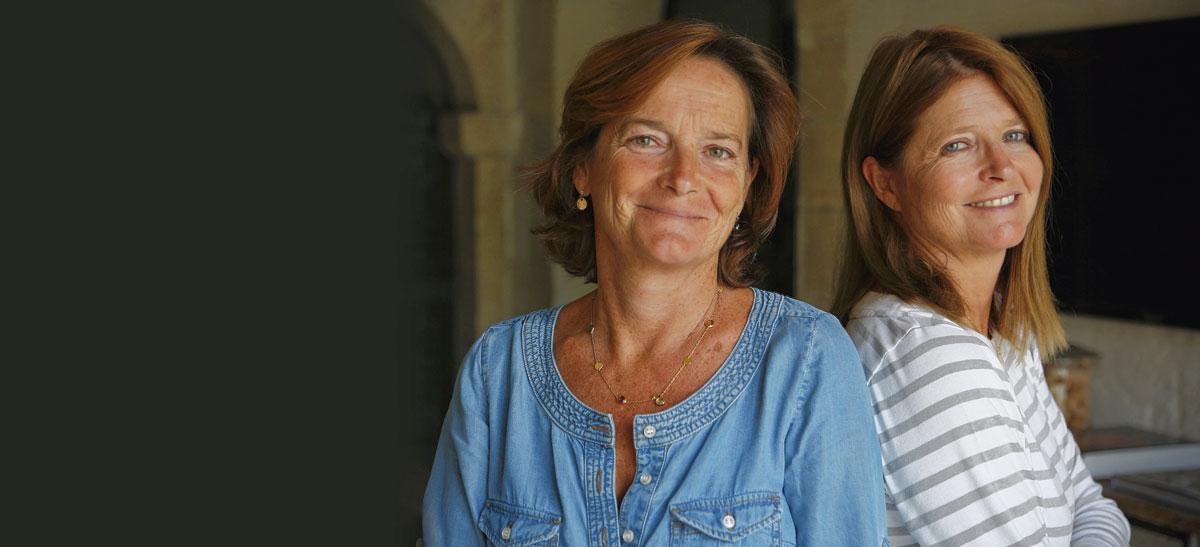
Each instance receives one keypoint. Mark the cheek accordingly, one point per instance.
(731, 196)
(949, 186)
(1033, 173)
(630, 173)
(619, 182)
(932, 203)
(731, 186)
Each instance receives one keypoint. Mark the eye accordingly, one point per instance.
(719, 153)
(956, 146)
(1017, 136)
(642, 141)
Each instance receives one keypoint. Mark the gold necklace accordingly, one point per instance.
(658, 398)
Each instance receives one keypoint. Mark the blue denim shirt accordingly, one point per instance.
(777, 448)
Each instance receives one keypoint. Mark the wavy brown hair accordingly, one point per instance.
(907, 74)
(612, 81)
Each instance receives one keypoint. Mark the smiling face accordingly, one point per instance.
(969, 177)
(668, 181)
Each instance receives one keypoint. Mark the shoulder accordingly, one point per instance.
(791, 307)
(792, 312)
(794, 322)
(813, 339)
(887, 330)
(502, 345)
(499, 336)
(877, 310)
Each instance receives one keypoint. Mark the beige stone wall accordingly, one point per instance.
(485, 138)
(1148, 375)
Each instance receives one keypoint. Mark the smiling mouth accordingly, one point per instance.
(998, 202)
(676, 214)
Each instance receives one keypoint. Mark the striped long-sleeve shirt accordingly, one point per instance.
(975, 451)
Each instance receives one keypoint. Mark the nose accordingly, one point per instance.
(684, 173)
(998, 164)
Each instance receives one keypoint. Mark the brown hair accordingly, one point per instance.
(903, 78)
(612, 81)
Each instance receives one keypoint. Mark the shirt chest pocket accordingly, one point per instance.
(747, 519)
(507, 524)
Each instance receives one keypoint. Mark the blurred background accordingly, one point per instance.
(481, 95)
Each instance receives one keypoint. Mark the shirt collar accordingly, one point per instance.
(654, 429)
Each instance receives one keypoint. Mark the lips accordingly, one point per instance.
(994, 202)
(672, 212)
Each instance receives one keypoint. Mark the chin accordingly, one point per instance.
(672, 257)
(674, 250)
(1006, 236)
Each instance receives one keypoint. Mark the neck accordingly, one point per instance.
(643, 313)
(975, 281)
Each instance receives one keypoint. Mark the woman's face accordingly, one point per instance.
(668, 182)
(969, 177)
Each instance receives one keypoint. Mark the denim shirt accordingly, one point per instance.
(777, 448)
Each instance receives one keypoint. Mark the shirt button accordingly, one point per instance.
(649, 431)
(728, 521)
(645, 478)
(506, 533)
(627, 536)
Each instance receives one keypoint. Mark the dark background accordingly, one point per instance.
(1124, 109)
(202, 266)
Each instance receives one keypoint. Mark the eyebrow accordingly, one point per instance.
(1007, 123)
(657, 126)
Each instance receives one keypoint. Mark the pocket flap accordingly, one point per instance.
(729, 519)
(506, 524)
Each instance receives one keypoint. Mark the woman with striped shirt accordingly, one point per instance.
(946, 171)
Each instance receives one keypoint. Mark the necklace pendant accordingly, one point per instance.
(598, 366)
(621, 399)
(658, 400)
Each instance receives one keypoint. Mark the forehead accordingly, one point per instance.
(700, 89)
(972, 101)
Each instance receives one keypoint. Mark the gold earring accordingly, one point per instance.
(581, 203)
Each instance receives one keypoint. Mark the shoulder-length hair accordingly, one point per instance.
(612, 81)
(903, 78)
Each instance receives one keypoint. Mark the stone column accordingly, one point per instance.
(489, 142)
(824, 100)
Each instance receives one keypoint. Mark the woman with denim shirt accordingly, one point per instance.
(674, 404)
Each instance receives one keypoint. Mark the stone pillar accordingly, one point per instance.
(824, 99)
(489, 142)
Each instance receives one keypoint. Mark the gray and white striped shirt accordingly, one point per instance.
(975, 451)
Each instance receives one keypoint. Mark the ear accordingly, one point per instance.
(579, 178)
(883, 182)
